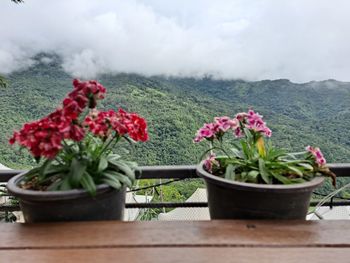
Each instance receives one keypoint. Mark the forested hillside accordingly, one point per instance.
(315, 113)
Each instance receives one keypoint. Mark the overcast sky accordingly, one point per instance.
(300, 40)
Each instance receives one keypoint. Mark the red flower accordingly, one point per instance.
(99, 123)
(76, 133)
(40, 137)
(137, 128)
(135, 125)
(102, 123)
(72, 108)
(44, 137)
(79, 97)
(92, 90)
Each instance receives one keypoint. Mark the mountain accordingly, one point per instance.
(314, 113)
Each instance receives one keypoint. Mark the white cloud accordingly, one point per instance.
(300, 40)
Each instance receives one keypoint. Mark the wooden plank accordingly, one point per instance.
(192, 233)
(161, 255)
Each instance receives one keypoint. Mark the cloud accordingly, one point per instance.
(299, 40)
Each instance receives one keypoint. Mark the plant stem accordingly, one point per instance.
(66, 147)
(59, 161)
(116, 136)
(211, 147)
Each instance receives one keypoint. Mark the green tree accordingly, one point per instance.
(3, 83)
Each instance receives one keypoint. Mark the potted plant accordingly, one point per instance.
(79, 177)
(252, 179)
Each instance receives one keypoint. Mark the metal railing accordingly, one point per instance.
(177, 173)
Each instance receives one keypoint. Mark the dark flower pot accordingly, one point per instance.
(71, 205)
(237, 200)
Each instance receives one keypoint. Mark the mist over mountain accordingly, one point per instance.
(246, 39)
(313, 113)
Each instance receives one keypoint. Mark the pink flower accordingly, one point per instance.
(241, 116)
(255, 122)
(225, 123)
(316, 152)
(238, 132)
(208, 131)
(210, 163)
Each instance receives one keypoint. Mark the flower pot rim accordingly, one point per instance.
(256, 187)
(12, 187)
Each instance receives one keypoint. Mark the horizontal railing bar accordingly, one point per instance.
(334, 203)
(166, 172)
(340, 169)
(144, 172)
(11, 208)
(205, 204)
(178, 172)
(6, 175)
(166, 205)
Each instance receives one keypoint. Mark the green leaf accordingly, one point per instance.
(307, 166)
(55, 185)
(230, 172)
(122, 166)
(51, 169)
(245, 149)
(112, 183)
(119, 176)
(298, 180)
(77, 169)
(296, 170)
(65, 185)
(263, 172)
(103, 164)
(281, 178)
(132, 165)
(113, 157)
(41, 174)
(252, 176)
(237, 153)
(248, 134)
(32, 173)
(273, 153)
(88, 183)
(243, 176)
(297, 153)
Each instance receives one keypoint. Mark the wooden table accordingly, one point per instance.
(195, 241)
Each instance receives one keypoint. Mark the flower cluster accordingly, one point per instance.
(87, 92)
(254, 121)
(104, 122)
(316, 152)
(250, 120)
(211, 163)
(252, 159)
(210, 131)
(44, 137)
